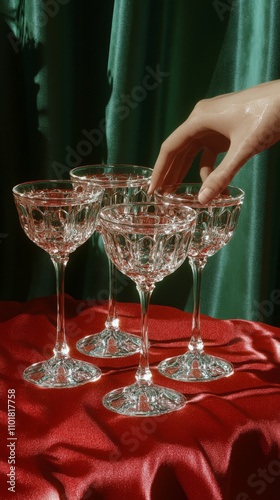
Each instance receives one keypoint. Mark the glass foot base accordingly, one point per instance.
(109, 344)
(192, 367)
(61, 373)
(143, 400)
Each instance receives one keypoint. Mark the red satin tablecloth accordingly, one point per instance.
(224, 445)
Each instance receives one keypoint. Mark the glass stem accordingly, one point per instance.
(112, 321)
(144, 374)
(61, 348)
(196, 344)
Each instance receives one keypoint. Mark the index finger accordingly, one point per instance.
(184, 137)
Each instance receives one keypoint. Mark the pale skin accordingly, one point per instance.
(240, 124)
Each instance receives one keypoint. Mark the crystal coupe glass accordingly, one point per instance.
(215, 226)
(120, 184)
(59, 216)
(146, 241)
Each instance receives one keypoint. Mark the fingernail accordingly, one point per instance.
(205, 195)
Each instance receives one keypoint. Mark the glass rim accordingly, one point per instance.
(120, 166)
(218, 200)
(94, 190)
(190, 212)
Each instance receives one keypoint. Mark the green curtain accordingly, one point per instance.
(107, 81)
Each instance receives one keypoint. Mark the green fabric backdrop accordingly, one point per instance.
(107, 81)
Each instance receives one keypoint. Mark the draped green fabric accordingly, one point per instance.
(108, 81)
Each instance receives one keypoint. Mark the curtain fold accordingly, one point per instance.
(108, 81)
(243, 270)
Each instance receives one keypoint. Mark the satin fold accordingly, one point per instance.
(224, 445)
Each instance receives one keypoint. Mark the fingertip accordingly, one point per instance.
(205, 195)
(151, 187)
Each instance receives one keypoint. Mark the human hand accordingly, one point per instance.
(241, 124)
